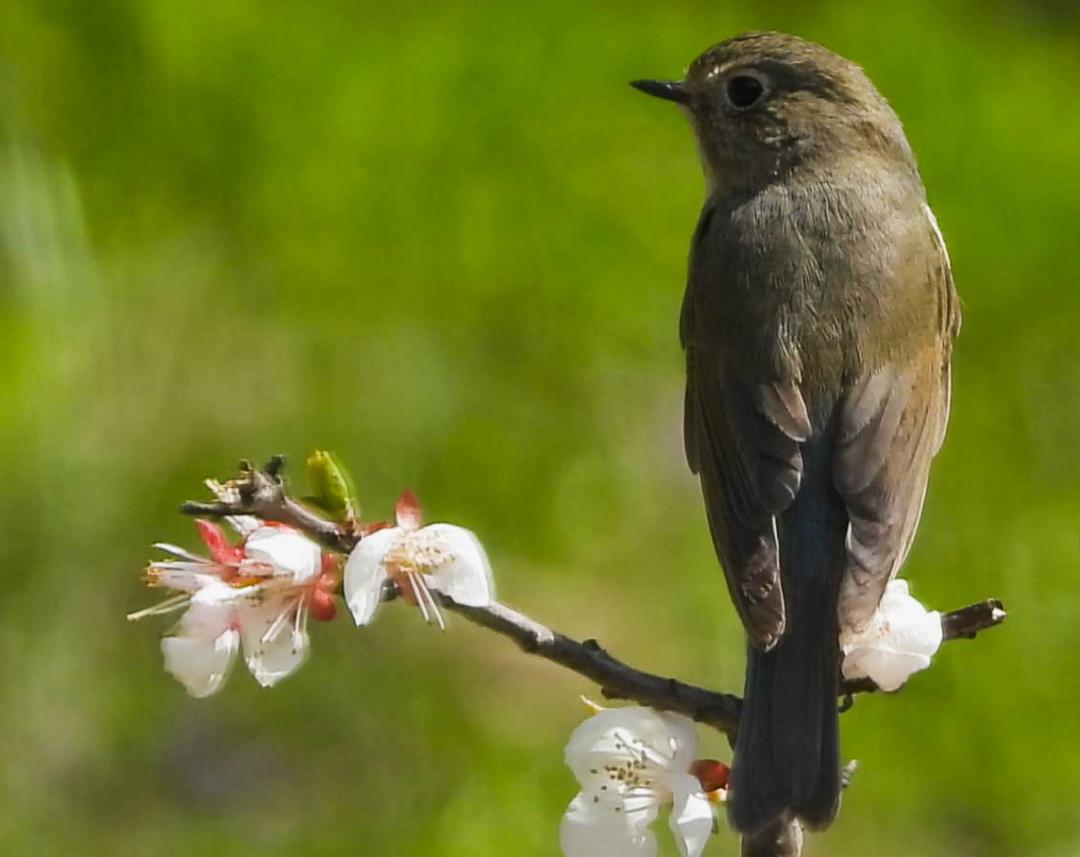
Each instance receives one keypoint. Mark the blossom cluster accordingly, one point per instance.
(255, 595)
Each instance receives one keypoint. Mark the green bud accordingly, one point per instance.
(331, 486)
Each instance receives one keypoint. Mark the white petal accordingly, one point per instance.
(288, 551)
(281, 656)
(244, 524)
(921, 635)
(667, 742)
(899, 640)
(182, 553)
(185, 576)
(201, 664)
(691, 816)
(594, 829)
(682, 739)
(212, 611)
(466, 575)
(888, 670)
(274, 647)
(365, 574)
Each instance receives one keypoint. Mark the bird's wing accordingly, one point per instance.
(743, 441)
(890, 425)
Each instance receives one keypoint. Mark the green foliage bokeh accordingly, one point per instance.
(447, 242)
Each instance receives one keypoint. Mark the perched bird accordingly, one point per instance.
(818, 324)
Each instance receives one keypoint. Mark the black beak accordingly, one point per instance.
(669, 90)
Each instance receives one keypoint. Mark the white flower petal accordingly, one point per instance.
(666, 742)
(691, 816)
(184, 576)
(181, 552)
(201, 663)
(682, 739)
(466, 575)
(365, 574)
(594, 829)
(289, 552)
(274, 647)
(281, 656)
(921, 635)
(212, 610)
(899, 640)
(888, 670)
(244, 524)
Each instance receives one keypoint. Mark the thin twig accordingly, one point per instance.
(617, 680)
(965, 623)
(262, 493)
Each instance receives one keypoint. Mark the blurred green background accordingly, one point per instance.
(448, 242)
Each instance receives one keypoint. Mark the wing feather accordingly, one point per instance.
(743, 441)
(890, 425)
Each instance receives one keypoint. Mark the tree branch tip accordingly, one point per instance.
(195, 508)
(275, 466)
(968, 621)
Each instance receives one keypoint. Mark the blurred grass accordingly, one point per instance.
(449, 244)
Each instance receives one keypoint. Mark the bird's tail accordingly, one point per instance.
(787, 754)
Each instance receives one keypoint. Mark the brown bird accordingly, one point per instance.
(818, 324)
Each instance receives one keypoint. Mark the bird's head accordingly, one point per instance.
(765, 104)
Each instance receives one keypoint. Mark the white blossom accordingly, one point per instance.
(899, 640)
(439, 557)
(630, 762)
(253, 597)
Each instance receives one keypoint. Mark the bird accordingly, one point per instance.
(817, 324)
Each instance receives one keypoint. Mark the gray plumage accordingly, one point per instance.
(817, 324)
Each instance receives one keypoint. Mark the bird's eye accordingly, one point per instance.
(744, 90)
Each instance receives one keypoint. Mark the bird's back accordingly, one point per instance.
(799, 297)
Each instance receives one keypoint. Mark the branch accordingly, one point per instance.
(262, 493)
(617, 680)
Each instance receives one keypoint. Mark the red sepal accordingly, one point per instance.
(711, 774)
(407, 511)
(217, 543)
(323, 605)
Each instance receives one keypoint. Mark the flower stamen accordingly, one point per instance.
(277, 624)
(169, 605)
(435, 611)
(418, 590)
